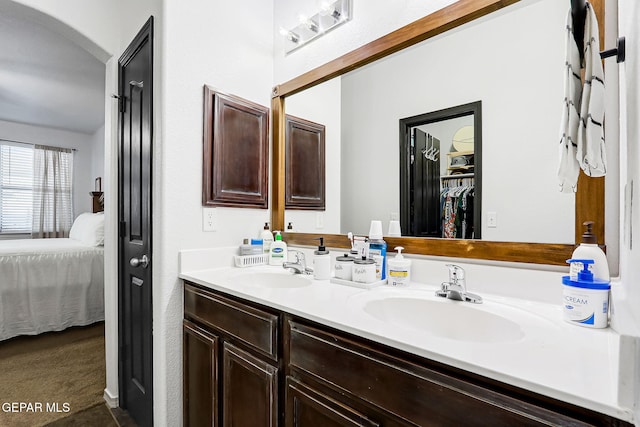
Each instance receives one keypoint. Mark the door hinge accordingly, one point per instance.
(122, 228)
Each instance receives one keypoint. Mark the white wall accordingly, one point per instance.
(92, 25)
(97, 158)
(85, 147)
(227, 46)
(627, 292)
(629, 13)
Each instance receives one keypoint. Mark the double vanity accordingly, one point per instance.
(263, 346)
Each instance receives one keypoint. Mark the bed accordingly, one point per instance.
(52, 284)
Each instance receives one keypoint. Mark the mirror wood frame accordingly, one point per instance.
(589, 203)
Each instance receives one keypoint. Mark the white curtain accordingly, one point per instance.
(52, 191)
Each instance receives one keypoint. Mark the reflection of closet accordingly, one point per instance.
(437, 150)
(457, 196)
(457, 202)
(460, 162)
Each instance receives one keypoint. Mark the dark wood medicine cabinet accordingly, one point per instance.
(235, 152)
(305, 164)
(589, 203)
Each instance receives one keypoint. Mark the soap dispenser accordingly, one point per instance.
(589, 249)
(267, 238)
(399, 269)
(278, 251)
(321, 262)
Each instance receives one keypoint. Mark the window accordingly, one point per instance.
(16, 188)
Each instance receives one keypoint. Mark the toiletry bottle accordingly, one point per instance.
(267, 238)
(585, 300)
(321, 262)
(589, 249)
(378, 249)
(278, 251)
(399, 269)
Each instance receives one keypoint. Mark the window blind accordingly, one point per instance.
(16, 188)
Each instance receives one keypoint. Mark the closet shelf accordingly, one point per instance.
(458, 175)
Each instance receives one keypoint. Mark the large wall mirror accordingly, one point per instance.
(471, 51)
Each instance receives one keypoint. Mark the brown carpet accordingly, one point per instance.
(54, 376)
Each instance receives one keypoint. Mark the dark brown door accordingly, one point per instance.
(250, 390)
(426, 186)
(200, 370)
(135, 258)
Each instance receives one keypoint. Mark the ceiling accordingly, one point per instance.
(47, 80)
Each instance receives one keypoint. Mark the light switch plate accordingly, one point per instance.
(208, 219)
(319, 220)
(492, 220)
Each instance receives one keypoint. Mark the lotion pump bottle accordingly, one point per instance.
(267, 238)
(278, 251)
(589, 249)
(399, 269)
(321, 262)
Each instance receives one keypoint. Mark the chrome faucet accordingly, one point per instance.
(456, 288)
(298, 267)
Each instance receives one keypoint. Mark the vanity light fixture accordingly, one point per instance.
(330, 9)
(289, 35)
(332, 14)
(309, 23)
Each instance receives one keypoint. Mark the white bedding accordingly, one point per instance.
(49, 285)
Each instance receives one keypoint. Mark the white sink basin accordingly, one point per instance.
(271, 279)
(444, 318)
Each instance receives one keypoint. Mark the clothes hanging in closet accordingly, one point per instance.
(456, 202)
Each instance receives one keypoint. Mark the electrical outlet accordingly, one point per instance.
(319, 220)
(208, 219)
(492, 220)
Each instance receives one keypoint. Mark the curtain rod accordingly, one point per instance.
(29, 143)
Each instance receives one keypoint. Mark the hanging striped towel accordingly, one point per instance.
(591, 152)
(569, 168)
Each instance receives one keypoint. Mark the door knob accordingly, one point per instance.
(135, 262)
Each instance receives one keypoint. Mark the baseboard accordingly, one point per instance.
(112, 401)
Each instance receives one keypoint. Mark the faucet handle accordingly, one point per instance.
(300, 259)
(456, 273)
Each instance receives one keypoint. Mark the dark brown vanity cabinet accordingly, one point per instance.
(247, 365)
(231, 363)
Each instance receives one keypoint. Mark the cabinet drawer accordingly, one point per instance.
(307, 407)
(411, 392)
(254, 327)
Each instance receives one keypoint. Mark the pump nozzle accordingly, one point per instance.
(322, 250)
(588, 236)
(584, 275)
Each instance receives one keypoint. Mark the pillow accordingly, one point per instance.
(88, 229)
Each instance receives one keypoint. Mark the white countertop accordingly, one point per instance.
(570, 363)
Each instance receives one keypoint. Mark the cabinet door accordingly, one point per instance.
(200, 376)
(250, 390)
(307, 407)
